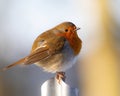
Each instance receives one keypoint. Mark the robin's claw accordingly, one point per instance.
(60, 76)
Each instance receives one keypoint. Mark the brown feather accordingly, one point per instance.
(37, 55)
(14, 64)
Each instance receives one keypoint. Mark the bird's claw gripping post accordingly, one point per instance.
(60, 76)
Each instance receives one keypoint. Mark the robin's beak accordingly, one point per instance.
(77, 29)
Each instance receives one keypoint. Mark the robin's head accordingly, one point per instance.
(67, 27)
(69, 31)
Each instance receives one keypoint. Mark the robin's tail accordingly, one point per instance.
(14, 64)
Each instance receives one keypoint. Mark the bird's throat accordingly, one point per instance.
(74, 42)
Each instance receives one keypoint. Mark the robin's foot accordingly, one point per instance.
(60, 76)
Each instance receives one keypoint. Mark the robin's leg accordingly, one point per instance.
(60, 76)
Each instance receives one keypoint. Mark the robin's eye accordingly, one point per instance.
(66, 30)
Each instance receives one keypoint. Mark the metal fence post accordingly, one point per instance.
(51, 87)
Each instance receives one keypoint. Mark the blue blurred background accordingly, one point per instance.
(21, 21)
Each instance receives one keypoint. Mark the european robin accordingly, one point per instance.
(54, 50)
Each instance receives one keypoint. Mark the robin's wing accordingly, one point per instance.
(37, 55)
(43, 48)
